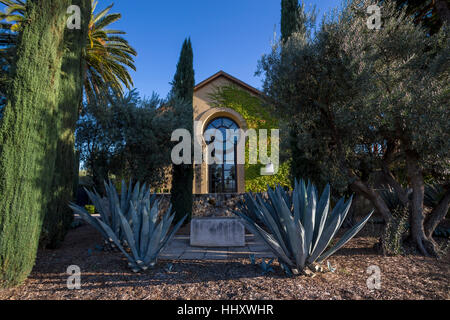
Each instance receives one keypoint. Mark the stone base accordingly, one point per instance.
(217, 232)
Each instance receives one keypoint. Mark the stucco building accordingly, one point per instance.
(218, 178)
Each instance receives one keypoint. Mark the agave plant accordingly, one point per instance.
(299, 227)
(131, 222)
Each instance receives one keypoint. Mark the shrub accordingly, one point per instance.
(90, 209)
(299, 229)
(130, 222)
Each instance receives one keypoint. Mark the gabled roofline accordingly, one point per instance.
(232, 79)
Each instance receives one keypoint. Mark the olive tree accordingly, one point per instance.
(369, 101)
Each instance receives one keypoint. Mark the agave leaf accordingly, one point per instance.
(153, 242)
(346, 209)
(168, 238)
(98, 204)
(325, 239)
(154, 216)
(88, 218)
(128, 233)
(345, 238)
(276, 204)
(145, 232)
(274, 226)
(296, 202)
(296, 236)
(136, 222)
(143, 190)
(303, 200)
(116, 241)
(321, 215)
(266, 237)
(311, 216)
(336, 219)
(123, 198)
(167, 222)
(136, 191)
(111, 196)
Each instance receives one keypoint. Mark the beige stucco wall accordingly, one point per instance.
(205, 113)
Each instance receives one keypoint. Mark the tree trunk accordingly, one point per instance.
(374, 197)
(59, 216)
(415, 176)
(28, 137)
(437, 215)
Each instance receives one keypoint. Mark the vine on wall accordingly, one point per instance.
(258, 116)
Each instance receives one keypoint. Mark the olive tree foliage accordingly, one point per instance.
(366, 101)
(127, 137)
(295, 19)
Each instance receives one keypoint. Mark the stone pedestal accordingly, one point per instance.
(217, 232)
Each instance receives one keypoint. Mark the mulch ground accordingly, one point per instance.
(105, 276)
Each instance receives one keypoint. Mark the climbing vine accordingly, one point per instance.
(258, 116)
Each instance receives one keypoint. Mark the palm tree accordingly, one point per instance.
(14, 12)
(107, 54)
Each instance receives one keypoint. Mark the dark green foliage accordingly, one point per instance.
(258, 115)
(126, 137)
(289, 18)
(28, 138)
(184, 81)
(357, 99)
(396, 230)
(59, 217)
(7, 53)
(295, 19)
(427, 12)
(183, 89)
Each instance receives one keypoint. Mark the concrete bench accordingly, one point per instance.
(217, 232)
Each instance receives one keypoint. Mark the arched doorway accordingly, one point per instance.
(222, 177)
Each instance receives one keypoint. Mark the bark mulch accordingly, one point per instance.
(105, 276)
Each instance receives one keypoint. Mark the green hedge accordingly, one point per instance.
(28, 138)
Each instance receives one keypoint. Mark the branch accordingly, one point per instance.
(437, 215)
(392, 150)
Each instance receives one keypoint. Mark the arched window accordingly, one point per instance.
(223, 176)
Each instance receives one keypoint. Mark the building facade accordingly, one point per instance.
(227, 177)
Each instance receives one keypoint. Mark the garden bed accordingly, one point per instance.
(106, 276)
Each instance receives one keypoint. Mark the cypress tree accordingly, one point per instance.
(289, 18)
(183, 90)
(59, 216)
(28, 137)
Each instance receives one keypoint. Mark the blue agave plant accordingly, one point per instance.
(131, 222)
(299, 227)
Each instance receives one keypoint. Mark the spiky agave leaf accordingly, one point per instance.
(300, 227)
(138, 229)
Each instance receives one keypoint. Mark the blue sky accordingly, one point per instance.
(228, 35)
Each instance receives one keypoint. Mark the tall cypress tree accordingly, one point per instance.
(183, 94)
(289, 18)
(59, 216)
(28, 137)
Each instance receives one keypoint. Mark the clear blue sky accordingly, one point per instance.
(229, 35)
